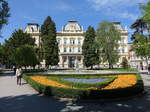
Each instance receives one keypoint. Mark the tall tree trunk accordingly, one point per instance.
(109, 66)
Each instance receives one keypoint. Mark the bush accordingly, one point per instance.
(33, 70)
(86, 94)
(125, 63)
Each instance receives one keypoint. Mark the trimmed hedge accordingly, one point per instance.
(33, 70)
(86, 94)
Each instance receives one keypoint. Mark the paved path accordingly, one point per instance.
(15, 98)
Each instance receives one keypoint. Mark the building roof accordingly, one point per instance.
(72, 25)
(33, 24)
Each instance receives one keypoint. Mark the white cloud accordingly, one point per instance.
(62, 6)
(30, 18)
(116, 7)
(127, 15)
(98, 4)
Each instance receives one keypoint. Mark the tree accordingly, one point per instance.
(89, 49)
(18, 39)
(107, 40)
(50, 45)
(2, 54)
(139, 25)
(4, 13)
(26, 56)
(125, 63)
(142, 47)
(141, 42)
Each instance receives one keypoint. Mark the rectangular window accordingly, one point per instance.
(79, 41)
(79, 49)
(73, 41)
(70, 49)
(65, 41)
(65, 49)
(64, 59)
(122, 50)
(58, 41)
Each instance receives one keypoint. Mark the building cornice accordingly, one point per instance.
(70, 34)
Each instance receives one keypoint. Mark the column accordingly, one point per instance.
(67, 61)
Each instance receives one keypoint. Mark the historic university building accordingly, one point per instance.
(70, 41)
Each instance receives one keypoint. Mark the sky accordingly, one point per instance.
(86, 12)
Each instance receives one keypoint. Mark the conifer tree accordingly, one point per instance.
(19, 38)
(4, 13)
(49, 43)
(89, 48)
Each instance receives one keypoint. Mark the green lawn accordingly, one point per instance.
(1, 72)
(121, 69)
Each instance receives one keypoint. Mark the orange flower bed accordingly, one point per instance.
(43, 80)
(122, 81)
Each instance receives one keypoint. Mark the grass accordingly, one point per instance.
(1, 72)
(122, 69)
(82, 85)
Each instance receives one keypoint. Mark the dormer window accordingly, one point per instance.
(32, 29)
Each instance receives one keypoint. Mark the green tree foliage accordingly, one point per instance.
(107, 41)
(142, 47)
(125, 63)
(139, 25)
(18, 39)
(26, 56)
(2, 54)
(141, 40)
(89, 49)
(4, 13)
(50, 45)
(146, 12)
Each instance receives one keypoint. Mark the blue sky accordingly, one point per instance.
(86, 12)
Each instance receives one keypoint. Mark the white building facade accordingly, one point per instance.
(134, 60)
(70, 41)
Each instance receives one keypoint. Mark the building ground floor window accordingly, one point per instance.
(71, 61)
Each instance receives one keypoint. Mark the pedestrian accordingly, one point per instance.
(141, 65)
(148, 69)
(19, 75)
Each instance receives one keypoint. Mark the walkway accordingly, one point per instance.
(15, 98)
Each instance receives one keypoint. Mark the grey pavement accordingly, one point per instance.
(15, 98)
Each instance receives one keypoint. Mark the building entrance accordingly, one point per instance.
(71, 62)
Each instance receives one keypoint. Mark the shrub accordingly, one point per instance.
(34, 70)
(86, 94)
(125, 63)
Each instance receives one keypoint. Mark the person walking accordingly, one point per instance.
(19, 75)
(148, 69)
